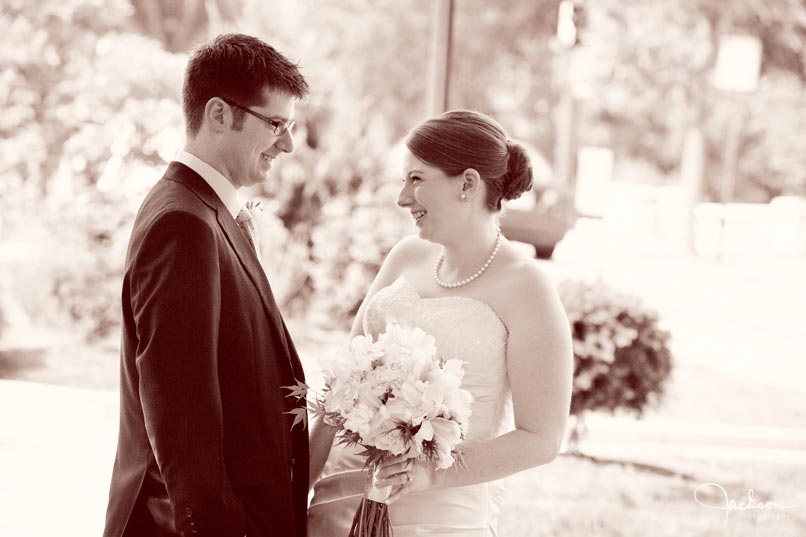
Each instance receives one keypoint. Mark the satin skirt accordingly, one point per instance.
(471, 511)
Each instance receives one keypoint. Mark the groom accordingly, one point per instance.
(204, 447)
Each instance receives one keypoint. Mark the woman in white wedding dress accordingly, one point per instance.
(485, 303)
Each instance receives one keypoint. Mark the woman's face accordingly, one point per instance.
(431, 197)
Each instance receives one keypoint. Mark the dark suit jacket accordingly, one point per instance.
(204, 448)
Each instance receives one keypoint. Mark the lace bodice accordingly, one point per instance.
(464, 328)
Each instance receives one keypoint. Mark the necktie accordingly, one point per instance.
(247, 227)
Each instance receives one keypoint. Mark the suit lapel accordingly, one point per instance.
(243, 250)
(246, 254)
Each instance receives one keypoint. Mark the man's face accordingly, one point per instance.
(251, 150)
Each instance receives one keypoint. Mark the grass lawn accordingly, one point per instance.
(574, 497)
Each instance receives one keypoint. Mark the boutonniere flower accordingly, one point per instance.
(253, 206)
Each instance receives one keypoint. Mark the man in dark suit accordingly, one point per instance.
(205, 447)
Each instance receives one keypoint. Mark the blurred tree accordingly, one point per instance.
(367, 75)
(42, 40)
(646, 71)
(91, 110)
(508, 78)
(177, 25)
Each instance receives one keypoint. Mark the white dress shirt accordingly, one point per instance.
(225, 190)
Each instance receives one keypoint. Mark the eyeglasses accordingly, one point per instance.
(279, 127)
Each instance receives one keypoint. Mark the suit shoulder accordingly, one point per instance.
(169, 201)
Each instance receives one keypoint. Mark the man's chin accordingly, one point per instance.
(259, 179)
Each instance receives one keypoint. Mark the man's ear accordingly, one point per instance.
(217, 115)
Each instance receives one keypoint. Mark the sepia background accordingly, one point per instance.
(668, 140)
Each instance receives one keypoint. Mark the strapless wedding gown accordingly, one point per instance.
(464, 328)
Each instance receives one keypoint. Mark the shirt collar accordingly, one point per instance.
(225, 190)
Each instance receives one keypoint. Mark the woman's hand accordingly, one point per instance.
(404, 476)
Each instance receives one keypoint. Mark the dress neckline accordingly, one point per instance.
(481, 303)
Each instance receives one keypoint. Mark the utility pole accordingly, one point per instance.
(737, 71)
(569, 19)
(692, 170)
(441, 45)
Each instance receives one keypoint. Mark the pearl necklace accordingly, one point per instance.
(469, 279)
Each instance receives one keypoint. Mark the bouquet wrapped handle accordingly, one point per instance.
(372, 517)
(374, 492)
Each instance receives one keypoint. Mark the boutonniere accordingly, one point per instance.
(253, 206)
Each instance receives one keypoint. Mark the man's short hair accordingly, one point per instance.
(237, 67)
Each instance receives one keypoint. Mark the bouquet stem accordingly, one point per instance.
(372, 517)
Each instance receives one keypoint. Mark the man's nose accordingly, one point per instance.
(286, 142)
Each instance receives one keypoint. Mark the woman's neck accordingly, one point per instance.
(469, 251)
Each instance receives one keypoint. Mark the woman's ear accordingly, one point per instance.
(471, 184)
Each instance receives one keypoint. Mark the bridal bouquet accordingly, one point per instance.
(393, 396)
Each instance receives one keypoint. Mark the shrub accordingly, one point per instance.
(85, 261)
(348, 248)
(621, 354)
(93, 114)
(285, 255)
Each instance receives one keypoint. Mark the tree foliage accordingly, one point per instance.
(646, 76)
(91, 96)
(92, 109)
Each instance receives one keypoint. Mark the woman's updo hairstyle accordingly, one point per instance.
(462, 139)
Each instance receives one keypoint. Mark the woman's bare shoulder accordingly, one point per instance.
(410, 250)
(526, 286)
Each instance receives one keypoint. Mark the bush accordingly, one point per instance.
(93, 114)
(284, 255)
(85, 260)
(348, 248)
(621, 354)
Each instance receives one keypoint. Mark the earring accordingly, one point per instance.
(463, 197)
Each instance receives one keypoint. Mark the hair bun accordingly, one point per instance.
(518, 178)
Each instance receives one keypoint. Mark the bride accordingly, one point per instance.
(485, 303)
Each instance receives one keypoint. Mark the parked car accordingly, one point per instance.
(542, 216)
(543, 224)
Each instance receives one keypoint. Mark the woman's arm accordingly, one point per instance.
(320, 440)
(539, 366)
(321, 436)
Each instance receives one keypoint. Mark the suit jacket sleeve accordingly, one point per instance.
(176, 301)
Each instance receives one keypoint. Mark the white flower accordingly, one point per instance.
(358, 418)
(363, 347)
(447, 435)
(341, 398)
(424, 434)
(379, 390)
(392, 441)
(371, 394)
(441, 381)
(459, 405)
(401, 411)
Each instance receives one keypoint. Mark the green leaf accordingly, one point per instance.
(298, 391)
(300, 416)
